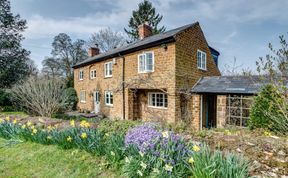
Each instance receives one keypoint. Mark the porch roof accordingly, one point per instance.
(247, 85)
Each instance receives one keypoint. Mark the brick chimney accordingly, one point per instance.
(144, 30)
(93, 51)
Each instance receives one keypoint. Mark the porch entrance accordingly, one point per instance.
(209, 110)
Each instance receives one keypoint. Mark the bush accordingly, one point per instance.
(269, 111)
(71, 95)
(40, 96)
(5, 98)
(116, 126)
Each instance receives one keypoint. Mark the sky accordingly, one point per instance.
(238, 29)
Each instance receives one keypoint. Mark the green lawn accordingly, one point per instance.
(26, 159)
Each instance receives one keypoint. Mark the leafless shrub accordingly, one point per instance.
(40, 96)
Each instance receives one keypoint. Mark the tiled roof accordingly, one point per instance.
(230, 84)
(137, 45)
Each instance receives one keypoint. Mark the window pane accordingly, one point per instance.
(111, 98)
(141, 63)
(166, 101)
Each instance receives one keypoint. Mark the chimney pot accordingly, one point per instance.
(144, 30)
(93, 51)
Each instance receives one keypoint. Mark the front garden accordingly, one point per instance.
(135, 149)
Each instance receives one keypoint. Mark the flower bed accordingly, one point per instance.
(144, 151)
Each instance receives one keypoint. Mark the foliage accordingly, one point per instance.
(265, 111)
(116, 126)
(71, 96)
(145, 13)
(66, 53)
(106, 39)
(171, 156)
(40, 96)
(207, 163)
(274, 109)
(14, 60)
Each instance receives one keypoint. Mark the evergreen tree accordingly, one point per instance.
(145, 13)
(14, 60)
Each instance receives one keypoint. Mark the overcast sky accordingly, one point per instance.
(236, 28)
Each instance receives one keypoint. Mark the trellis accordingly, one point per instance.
(238, 110)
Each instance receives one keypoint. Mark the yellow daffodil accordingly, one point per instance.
(1, 120)
(7, 118)
(84, 124)
(196, 148)
(227, 132)
(139, 173)
(155, 170)
(84, 135)
(49, 128)
(14, 121)
(72, 123)
(32, 127)
(165, 134)
(112, 153)
(168, 168)
(127, 160)
(28, 123)
(143, 165)
(49, 137)
(141, 153)
(23, 126)
(267, 133)
(69, 139)
(34, 131)
(191, 160)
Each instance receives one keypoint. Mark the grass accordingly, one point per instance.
(13, 114)
(26, 159)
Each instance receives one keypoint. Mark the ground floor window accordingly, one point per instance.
(238, 110)
(158, 100)
(82, 96)
(109, 98)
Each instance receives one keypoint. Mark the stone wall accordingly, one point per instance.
(221, 110)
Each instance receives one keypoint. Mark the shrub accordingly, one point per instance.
(269, 110)
(71, 96)
(116, 126)
(40, 96)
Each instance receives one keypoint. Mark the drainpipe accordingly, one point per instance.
(123, 84)
(201, 110)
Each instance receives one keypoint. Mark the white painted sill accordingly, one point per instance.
(155, 107)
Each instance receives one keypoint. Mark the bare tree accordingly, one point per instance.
(52, 67)
(40, 96)
(107, 39)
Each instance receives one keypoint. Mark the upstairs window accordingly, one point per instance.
(158, 100)
(81, 75)
(109, 98)
(83, 96)
(201, 60)
(93, 74)
(108, 69)
(146, 62)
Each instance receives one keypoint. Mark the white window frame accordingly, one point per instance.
(145, 70)
(106, 69)
(93, 74)
(110, 95)
(81, 74)
(150, 100)
(82, 96)
(202, 61)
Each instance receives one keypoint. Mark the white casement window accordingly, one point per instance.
(92, 74)
(109, 98)
(83, 96)
(158, 100)
(146, 62)
(108, 69)
(201, 60)
(81, 74)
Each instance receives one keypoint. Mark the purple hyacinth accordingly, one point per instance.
(144, 137)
